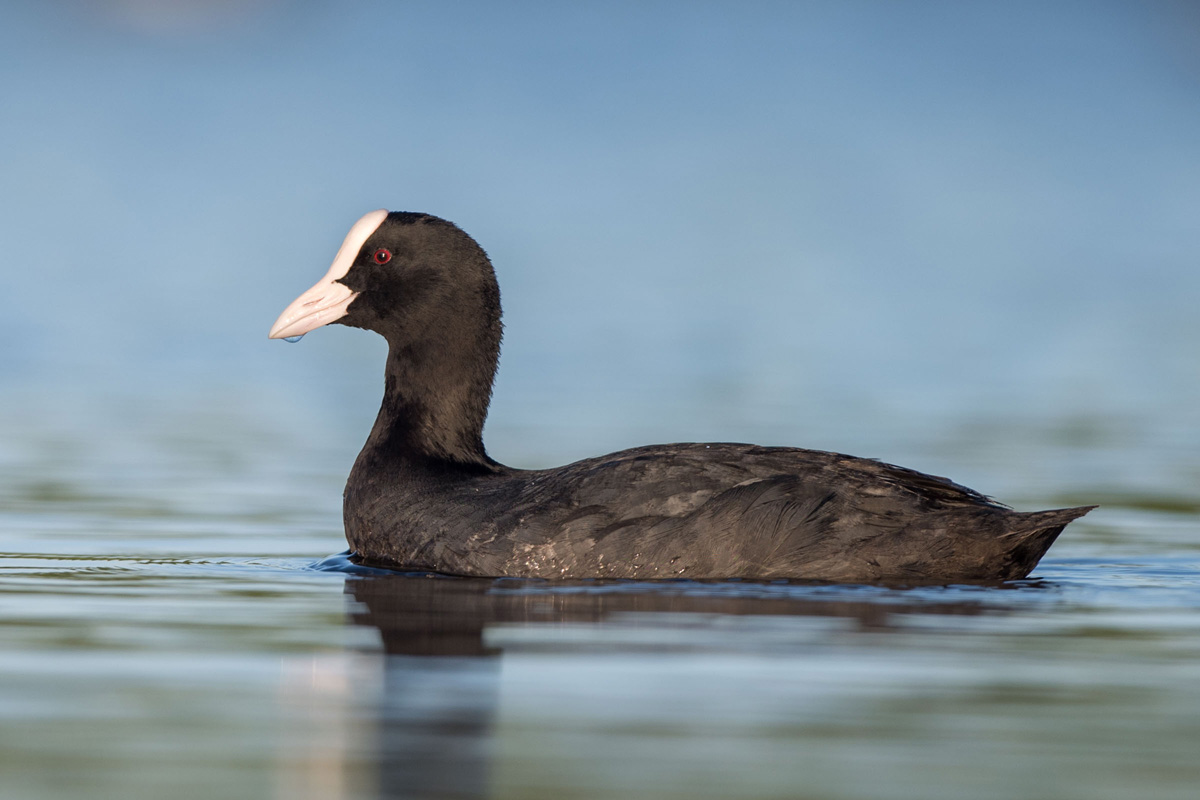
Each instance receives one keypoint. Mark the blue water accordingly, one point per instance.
(962, 239)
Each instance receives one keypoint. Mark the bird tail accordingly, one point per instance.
(1033, 532)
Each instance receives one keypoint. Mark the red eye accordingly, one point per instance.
(383, 255)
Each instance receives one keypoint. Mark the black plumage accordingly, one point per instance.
(424, 494)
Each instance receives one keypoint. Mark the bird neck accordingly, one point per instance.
(433, 410)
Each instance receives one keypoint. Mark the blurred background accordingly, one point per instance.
(854, 226)
(963, 237)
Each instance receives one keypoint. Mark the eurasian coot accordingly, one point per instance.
(424, 495)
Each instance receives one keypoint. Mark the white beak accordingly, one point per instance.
(328, 300)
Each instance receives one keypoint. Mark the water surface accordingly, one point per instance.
(168, 627)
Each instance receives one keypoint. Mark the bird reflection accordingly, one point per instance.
(436, 714)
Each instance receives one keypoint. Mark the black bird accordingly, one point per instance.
(424, 495)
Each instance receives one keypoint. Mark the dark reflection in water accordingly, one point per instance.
(440, 616)
(438, 700)
(440, 686)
